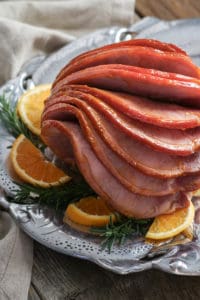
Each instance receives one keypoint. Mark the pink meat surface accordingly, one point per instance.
(102, 181)
(149, 161)
(155, 44)
(128, 115)
(143, 109)
(170, 87)
(133, 179)
(173, 141)
(148, 43)
(145, 57)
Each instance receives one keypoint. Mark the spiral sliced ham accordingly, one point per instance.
(140, 108)
(137, 56)
(134, 80)
(127, 175)
(137, 142)
(149, 43)
(102, 181)
(150, 162)
(163, 48)
(171, 141)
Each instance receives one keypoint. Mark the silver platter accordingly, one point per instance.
(44, 224)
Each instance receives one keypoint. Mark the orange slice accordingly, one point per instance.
(32, 167)
(189, 232)
(90, 211)
(196, 193)
(167, 226)
(30, 106)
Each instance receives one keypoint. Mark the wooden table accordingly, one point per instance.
(57, 276)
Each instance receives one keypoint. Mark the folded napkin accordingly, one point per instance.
(30, 28)
(27, 29)
(16, 256)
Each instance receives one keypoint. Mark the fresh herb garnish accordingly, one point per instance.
(14, 124)
(60, 196)
(56, 196)
(117, 233)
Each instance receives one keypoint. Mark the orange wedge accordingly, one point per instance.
(30, 106)
(90, 211)
(167, 226)
(32, 167)
(196, 193)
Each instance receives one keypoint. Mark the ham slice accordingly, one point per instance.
(139, 81)
(172, 141)
(149, 161)
(134, 180)
(102, 181)
(143, 109)
(136, 56)
(155, 44)
(148, 43)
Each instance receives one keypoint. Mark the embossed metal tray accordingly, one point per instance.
(44, 224)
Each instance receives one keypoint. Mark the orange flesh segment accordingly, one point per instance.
(90, 211)
(32, 167)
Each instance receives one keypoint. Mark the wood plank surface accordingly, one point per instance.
(168, 9)
(56, 276)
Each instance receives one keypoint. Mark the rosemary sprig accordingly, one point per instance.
(14, 124)
(58, 197)
(118, 233)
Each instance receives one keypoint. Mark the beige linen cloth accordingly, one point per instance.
(28, 29)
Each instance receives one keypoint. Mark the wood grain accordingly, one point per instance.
(57, 277)
(168, 9)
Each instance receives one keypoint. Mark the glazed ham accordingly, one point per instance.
(186, 142)
(150, 162)
(144, 82)
(133, 130)
(102, 181)
(148, 43)
(140, 108)
(153, 48)
(137, 56)
(127, 175)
